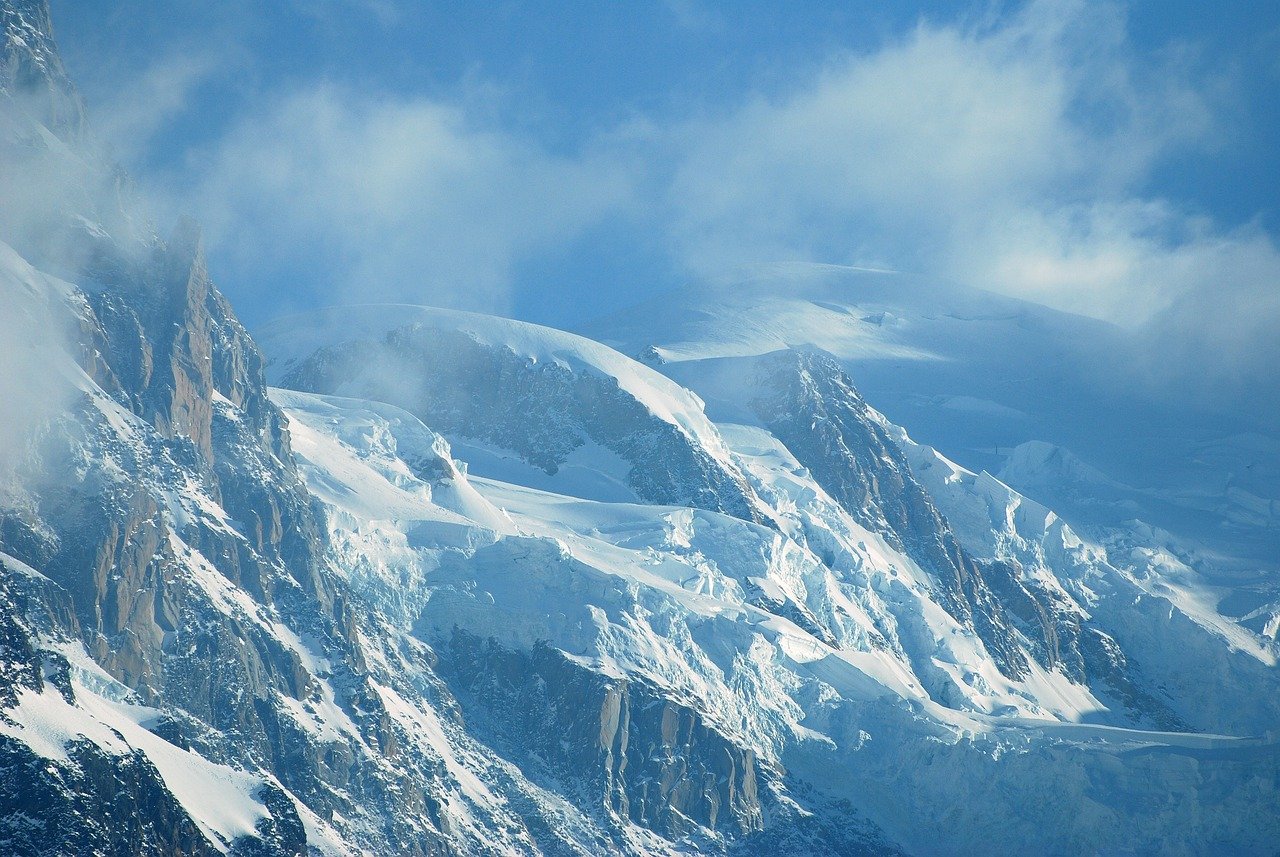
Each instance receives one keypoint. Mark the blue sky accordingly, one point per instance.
(554, 161)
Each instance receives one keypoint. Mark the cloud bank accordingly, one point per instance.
(1015, 155)
(1008, 155)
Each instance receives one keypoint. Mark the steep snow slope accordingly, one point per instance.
(503, 587)
(92, 713)
(1018, 610)
(1214, 672)
(859, 596)
(950, 586)
(1106, 614)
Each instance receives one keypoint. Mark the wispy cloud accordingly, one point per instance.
(989, 154)
(392, 199)
(694, 14)
(386, 13)
(34, 385)
(144, 102)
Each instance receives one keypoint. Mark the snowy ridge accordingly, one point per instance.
(728, 616)
(978, 374)
(663, 595)
(295, 338)
(1179, 609)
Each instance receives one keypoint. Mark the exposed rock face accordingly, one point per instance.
(630, 752)
(20, 660)
(172, 534)
(97, 802)
(176, 543)
(542, 411)
(1052, 628)
(638, 756)
(98, 805)
(201, 420)
(113, 518)
(180, 547)
(62, 195)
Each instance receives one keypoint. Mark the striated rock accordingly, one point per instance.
(629, 749)
(96, 805)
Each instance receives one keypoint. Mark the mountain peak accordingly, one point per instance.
(31, 69)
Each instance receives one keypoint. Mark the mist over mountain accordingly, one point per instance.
(820, 560)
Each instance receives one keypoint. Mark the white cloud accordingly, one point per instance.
(1014, 154)
(34, 357)
(400, 199)
(142, 103)
(918, 148)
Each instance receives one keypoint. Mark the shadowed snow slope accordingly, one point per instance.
(834, 645)
(816, 679)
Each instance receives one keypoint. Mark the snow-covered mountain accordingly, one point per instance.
(821, 643)
(460, 584)
(979, 375)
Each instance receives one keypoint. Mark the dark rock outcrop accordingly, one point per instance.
(97, 804)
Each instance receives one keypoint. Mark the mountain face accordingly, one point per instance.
(808, 402)
(33, 73)
(545, 398)
(465, 585)
(813, 409)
